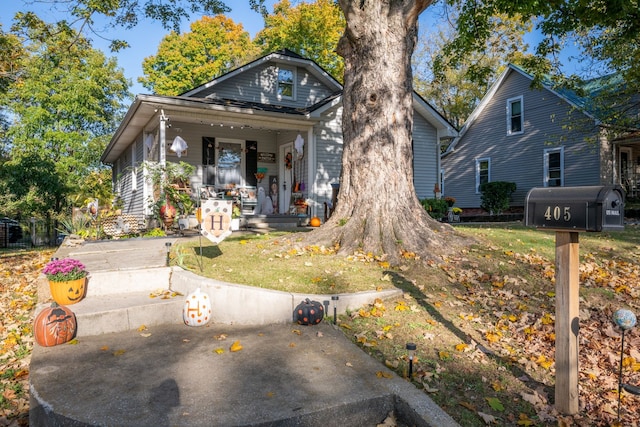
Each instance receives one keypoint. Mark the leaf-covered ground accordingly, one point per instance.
(485, 334)
(483, 323)
(18, 274)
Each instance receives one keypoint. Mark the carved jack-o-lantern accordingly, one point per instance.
(54, 325)
(197, 309)
(67, 293)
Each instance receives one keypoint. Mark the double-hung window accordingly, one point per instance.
(515, 116)
(554, 167)
(483, 172)
(286, 83)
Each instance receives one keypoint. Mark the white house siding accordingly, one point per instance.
(259, 84)
(425, 157)
(519, 158)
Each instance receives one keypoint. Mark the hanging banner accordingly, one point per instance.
(216, 219)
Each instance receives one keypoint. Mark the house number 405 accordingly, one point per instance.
(557, 213)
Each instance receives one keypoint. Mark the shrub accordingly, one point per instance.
(495, 196)
(437, 208)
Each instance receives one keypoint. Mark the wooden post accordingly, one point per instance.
(567, 321)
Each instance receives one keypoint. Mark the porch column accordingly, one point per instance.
(163, 145)
(311, 172)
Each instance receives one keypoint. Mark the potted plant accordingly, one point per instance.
(67, 280)
(235, 218)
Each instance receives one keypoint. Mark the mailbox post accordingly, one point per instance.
(568, 211)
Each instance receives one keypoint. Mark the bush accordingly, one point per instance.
(437, 208)
(495, 196)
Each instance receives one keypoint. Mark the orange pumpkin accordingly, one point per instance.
(315, 222)
(54, 325)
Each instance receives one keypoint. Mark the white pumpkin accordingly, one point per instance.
(197, 309)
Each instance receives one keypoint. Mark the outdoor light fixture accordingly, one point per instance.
(335, 299)
(168, 246)
(626, 320)
(411, 349)
(326, 306)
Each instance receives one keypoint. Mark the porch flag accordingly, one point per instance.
(179, 145)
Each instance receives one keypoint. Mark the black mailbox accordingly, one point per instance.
(590, 208)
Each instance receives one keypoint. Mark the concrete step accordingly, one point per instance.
(125, 312)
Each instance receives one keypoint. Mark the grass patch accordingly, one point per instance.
(271, 261)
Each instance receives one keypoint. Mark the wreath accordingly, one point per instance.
(287, 160)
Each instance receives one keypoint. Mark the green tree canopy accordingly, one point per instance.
(455, 86)
(64, 104)
(214, 46)
(311, 29)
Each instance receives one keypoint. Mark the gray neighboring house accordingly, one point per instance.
(535, 138)
(279, 115)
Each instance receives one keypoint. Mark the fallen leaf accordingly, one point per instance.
(495, 404)
(219, 350)
(235, 346)
(384, 374)
(488, 419)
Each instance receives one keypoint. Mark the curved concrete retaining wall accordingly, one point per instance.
(249, 305)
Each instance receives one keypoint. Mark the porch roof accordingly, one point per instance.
(146, 110)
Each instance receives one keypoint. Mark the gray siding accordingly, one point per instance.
(259, 84)
(519, 158)
(425, 157)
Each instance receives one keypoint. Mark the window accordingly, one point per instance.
(515, 121)
(483, 172)
(554, 167)
(285, 83)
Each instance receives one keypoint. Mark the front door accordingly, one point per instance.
(230, 163)
(285, 172)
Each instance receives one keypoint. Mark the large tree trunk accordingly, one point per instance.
(377, 209)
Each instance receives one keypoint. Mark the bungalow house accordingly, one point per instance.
(274, 123)
(535, 137)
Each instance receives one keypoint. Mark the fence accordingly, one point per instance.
(28, 234)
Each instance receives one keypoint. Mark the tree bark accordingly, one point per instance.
(378, 210)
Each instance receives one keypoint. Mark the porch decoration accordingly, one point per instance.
(315, 222)
(54, 325)
(299, 146)
(67, 280)
(197, 309)
(309, 312)
(178, 146)
(216, 219)
(260, 174)
(167, 212)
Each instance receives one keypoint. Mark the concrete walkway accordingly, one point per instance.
(136, 364)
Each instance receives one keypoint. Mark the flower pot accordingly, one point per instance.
(70, 292)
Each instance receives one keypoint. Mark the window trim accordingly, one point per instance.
(545, 168)
(510, 103)
(293, 83)
(478, 162)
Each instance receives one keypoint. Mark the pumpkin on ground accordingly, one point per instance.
(309, 312)
(197, 309)
(54, 325)
(315, 222)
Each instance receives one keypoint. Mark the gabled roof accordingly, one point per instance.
(190, 107)
(284, 56)
(567, 95)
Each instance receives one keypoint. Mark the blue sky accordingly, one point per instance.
(146, 36)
